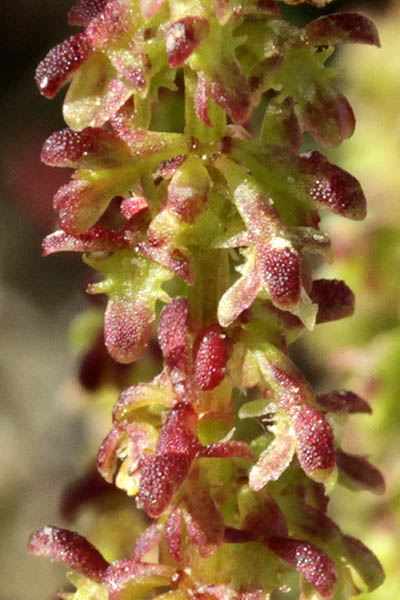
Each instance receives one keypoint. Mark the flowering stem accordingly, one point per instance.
(205, 230)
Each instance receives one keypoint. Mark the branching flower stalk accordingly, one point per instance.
(192, 197)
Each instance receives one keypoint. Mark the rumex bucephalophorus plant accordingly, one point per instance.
(192, 197)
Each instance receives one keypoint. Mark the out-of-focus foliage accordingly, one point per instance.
(367, 352)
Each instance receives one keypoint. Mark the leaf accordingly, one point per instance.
(280, 126)
(95, 94)
(364, 561)
(90, 148)
(70, 549)
(173, 533)
(357, 473)
(150, 538)
(343, 402)
(84, 10)
(128, 578)
(161, 477)
(173, 333)
(328, 117)
(261, 515)
(203, 519)
(133, 284)
(230, 89)
(314, 437)
(81, 202)
(211, 356)
(334, 298)
(341, 28)
(188, 190)
(96, 239)
(158, 392)
(59, 65)
(333, 188)
(183, 37)
(127, 444)
(242, 293)
(275, 458)
(108, 26)
(309, 560)
(276, 262)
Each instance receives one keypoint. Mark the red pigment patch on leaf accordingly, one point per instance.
(338, 191)
(66, 148)
(173, 332)
(114, 97)
(334, 298)
(211, 356)
(147, 541)
(178, 435)
(79, 205)
(281, 274)
(328, 117)
(107, 458)
(315, 442)
(136, 76)
(314, 436)
(264, 519)
(133, 205)
(61, 63)
(168, 168)
(172, 258)
(204, 522)
(200, 101)
(308, 560)
(280, 126)
(341, 27)
(362, 474)
(184, 201)
(231, 449)
(70, 549)
(124, 573)
(178, 445)
(84, 11)
(183, 37)
(161, 477)
(343, 402)
(96, 239)
(127, 329)
(173, 534)
(108, 26)
(164, 472)
(230, 89)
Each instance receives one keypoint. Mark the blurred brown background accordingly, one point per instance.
(40, 432)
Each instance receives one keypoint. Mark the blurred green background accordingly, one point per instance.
(42, 434)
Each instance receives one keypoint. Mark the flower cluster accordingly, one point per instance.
(193, 198)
